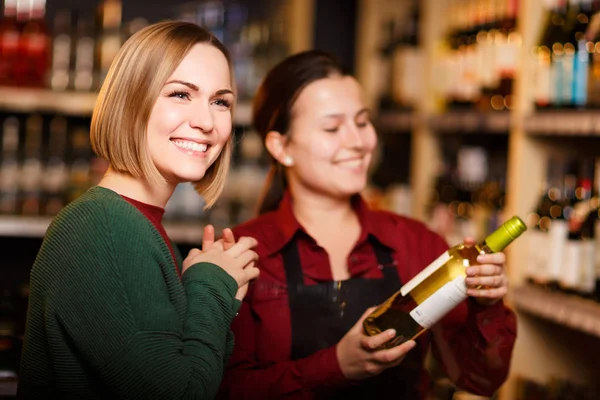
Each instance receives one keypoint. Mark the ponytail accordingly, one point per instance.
(273, 190)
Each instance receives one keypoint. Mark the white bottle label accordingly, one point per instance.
(559, 231)
(440, 303)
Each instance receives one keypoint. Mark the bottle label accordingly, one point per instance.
(440, 303)
(424, 274)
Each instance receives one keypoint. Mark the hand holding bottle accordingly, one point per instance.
(487, 282)
(360, 356)
(237, 259)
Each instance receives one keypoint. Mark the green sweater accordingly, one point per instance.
(109, 317)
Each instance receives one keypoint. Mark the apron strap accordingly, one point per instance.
(387, 264)
(293, 268)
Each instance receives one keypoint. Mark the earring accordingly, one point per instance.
(288, 161)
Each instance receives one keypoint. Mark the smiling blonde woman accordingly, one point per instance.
(115, 312)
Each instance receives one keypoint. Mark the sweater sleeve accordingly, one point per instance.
(138, 364)
(176, 359)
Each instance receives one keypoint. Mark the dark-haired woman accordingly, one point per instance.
(326, 259)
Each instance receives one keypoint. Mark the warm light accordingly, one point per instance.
(545, 223)
(555, 211)
(533, 219)
(497, 102)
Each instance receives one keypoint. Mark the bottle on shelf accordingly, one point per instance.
(9, 42)
(56, 174)
(9, 166)
(33, 62)
(79, 165)
(436, 290)
(62, 48)
(31, 169)
(480, 55)
(83, 57)
(109, 36)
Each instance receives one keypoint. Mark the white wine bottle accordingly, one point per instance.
(436, 290)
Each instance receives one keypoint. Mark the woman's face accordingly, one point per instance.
(190, 122)
(331, 139)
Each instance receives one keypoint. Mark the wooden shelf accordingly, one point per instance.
(564, 309)
(563, 123)
(75, 103)
(35, 227)
(396, 121)
(453, 122)
(471, 122)
(42, 100)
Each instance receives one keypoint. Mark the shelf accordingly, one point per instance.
(396, 121)
(471, 122)
(453, 122)
(75, 103)
(35, 227)
(563, 123)
(42, 100)
(564, 309)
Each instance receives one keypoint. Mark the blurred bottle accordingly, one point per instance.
(56, 174)
(34, 57)
(83, 56)
(79, 168)
(62, 47)
(9, 42)
(8, 345)
(9, 166)
(31, 170)
(108, 36)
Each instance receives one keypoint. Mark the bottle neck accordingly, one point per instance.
(483, 248)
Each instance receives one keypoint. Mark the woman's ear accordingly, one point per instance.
(275, 143)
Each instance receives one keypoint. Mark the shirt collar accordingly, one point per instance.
(373, 223)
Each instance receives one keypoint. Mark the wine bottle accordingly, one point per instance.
(436, 290)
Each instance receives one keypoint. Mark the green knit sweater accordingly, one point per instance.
(109, 317)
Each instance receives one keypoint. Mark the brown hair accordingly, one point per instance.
(129, 92)
(272, 108)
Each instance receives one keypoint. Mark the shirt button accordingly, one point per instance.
(485, 322)
(353, 259)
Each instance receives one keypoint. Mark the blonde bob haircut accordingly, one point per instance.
(129, 92)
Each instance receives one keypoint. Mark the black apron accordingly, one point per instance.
(323, 313)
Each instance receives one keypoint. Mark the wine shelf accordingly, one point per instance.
(471, 122)
(397, 121)
(75, 103)
(35, 227)
(564, 309)
(42, 100)
(563, 123)
(467, 122)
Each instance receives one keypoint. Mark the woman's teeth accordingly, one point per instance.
(185, 144)
(352, 163)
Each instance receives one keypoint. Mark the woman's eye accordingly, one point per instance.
(362, 124)
(180, 95)
(331, 130)
(223, 103)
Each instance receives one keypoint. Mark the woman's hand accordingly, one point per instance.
(487, 282)
(358, 354)
(235, 258)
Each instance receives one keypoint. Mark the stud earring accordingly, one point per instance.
(288, 161)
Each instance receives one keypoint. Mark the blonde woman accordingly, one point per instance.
(114, 310)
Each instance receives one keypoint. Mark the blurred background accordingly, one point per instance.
(484, 108)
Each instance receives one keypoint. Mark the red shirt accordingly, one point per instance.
(473, 343)
(155, 215)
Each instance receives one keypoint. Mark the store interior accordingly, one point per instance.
(484, 109)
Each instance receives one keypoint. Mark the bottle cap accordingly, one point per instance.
(503, 236)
